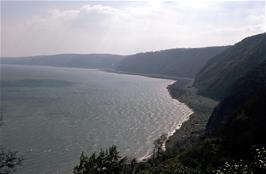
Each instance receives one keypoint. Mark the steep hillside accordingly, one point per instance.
(240, 118)
(235, 133)
(174, 62)
(237, 125)
(69, 60)
(217, 76)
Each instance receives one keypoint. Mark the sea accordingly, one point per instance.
(50, 115)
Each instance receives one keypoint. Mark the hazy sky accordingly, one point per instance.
(124, 27)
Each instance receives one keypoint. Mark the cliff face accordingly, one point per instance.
(174, 62)
(240, 118)
(216, 78)
(237, 77)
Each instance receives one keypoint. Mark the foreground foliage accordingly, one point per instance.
(9, 160)
(106, 162)
(109, 162)
(256, 165)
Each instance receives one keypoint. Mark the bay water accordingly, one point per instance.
(52, 114)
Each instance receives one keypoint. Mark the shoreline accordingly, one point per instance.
(192, 128)
(159, 76)
(180, 89)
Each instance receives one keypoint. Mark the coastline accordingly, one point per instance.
(191, 128)
(194, 126)
(160, 76)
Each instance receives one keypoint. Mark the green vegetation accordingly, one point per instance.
(217, 77)
(234, 139)
(106, 162)
(9, 160)
(256, 165)
(175, 63)
(239, 119)
(109, 162)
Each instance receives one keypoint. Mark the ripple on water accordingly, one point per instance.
(90, 114)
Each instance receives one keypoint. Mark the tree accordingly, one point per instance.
(9, 160)
(159, 146)
(256, 165)
(106, 162)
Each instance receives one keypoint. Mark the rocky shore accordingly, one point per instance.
(193, 128)
(182, 90)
